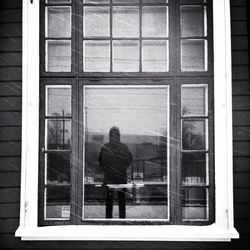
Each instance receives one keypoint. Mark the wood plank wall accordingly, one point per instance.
(10, 136)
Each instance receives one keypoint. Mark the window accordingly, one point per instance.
(145, 67)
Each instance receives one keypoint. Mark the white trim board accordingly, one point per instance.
(223, 228)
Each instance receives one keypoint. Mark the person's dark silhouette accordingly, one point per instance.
(115, 157)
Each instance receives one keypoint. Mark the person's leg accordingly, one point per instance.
(122, 202)
(109, 202)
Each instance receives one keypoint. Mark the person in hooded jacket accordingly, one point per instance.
(115, 157)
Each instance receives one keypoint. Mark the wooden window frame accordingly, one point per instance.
(223, 228)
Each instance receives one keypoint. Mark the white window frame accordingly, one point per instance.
(223, 228)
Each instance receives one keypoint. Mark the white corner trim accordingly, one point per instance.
(221, 230)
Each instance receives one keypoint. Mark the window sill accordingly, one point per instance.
(129, 233)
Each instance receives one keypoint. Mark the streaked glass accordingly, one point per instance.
(194, 168)
(57, 168)
(96, 56)
(154, 21)
(193, 21)
(194, 100)
(96, 21)
(125, 21)
(155, 56)
(96, 1)
(141, 113)
(194, 204)
(58, 101)
(125, 56)
(58, 24)
(58, 1)
(193, 1)
(57, 202)
(58, 134)
(125, 1)
(58, 56)
(194, 134)
(155, 1)
(194, 55)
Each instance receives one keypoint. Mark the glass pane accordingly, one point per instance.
(193, 21)
(194, 135)
(58, 133)
(194, 204)
(194, 100)
(125, 1)
(155, 1)
(193, 1)
(155, 56)
(194, 169)
(58, 101)
(58, 22)
(58, 56)
(57, 202)
(194, 55)
(96, 21)
(154, 21)
(126, 21)
(96, 56)
(125, 56)
(57, 168)
(58, 1)
(96, 1)
(133, 165)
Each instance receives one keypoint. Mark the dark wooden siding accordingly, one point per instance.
(10, 136)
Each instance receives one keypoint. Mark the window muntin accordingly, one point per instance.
(141, 113)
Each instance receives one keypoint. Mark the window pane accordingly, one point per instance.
(58, 134)
(126, 21)
(96, 56)
(58, 56)
(58, 22)
(194, 169)
(155, 56)
(57, 202)
(125, 1)
(194, 100)
(96, 1)
(58, 101)
(194, 204)
(193, 1)
(58, 1)
(194, 135)
(194, 55)
(96, 21)
(154, 1)
(125, 56)
(57, 168)
(141, 114)
(154, 21)
(193, 21)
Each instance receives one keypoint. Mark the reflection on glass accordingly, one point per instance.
(155, 1)
(58, 101)
(58, 1)
(58, 56)
(126, 21)
(125, 1)
(125, 56)
(193, 21)
(96, 1)
(194, 204)
(194, 100)
(58, 22)
(96, 56)
(58, 134)
(57, 202)
(194, 135)
(194, 167)
(194, 55)
(154, 21)
(57, 168)
(141, 114)
(96, 21)
(193, 1)
(155, 56)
